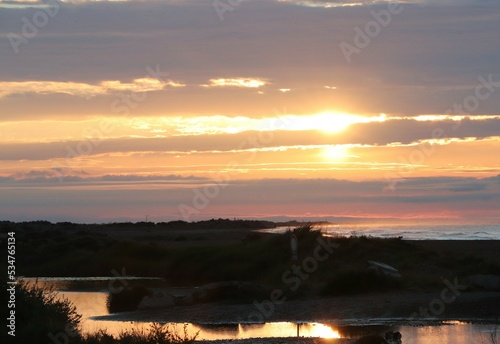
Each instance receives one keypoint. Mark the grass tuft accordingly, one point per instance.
(157, 334)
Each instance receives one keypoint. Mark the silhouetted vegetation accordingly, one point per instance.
(157, 334)
(41, 314)
(65, 249)
(127, 299)
(42, 317)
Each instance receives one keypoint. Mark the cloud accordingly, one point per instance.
(448, 184)
(332, 3)
(55, 176)
(12, 4)
(46, 174)
(469, 187)
(388, 132)
(82, 89)
(108, 197)
(408, 69)
(349, 3)
(237, 82)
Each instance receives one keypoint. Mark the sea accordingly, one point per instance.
(408, 231)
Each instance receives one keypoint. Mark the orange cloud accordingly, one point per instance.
(237, 82)
(84, 89)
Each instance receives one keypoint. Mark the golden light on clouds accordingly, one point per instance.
(445, 117)
(329, 122)
(83, 89)
(237, 82)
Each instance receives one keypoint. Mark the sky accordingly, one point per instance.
(340, 110)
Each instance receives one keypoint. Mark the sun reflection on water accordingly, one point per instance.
(93, 304)
(286, 329)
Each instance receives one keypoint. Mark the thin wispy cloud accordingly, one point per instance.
(350, 3)
(83, 89)
(446, 197)
(236, 82)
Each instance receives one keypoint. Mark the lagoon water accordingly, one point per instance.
(93, 304)
(409, 231)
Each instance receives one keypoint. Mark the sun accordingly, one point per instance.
(335, 152)
(334, 122)
(327, 122)
(331, 122)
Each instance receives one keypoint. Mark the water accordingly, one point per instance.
(93, 304)
(409, 232)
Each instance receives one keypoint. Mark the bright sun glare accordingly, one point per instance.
(335, 152)
(328, 122)
(334, 122)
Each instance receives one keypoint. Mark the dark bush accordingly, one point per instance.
(128, 299)
(157, 334)
(41, 314)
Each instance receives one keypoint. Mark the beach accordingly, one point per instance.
(434, 286)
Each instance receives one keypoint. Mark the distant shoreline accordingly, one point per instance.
(407, 231)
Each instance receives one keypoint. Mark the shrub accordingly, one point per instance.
(157, 334)
(40, 313)
(128, 299)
